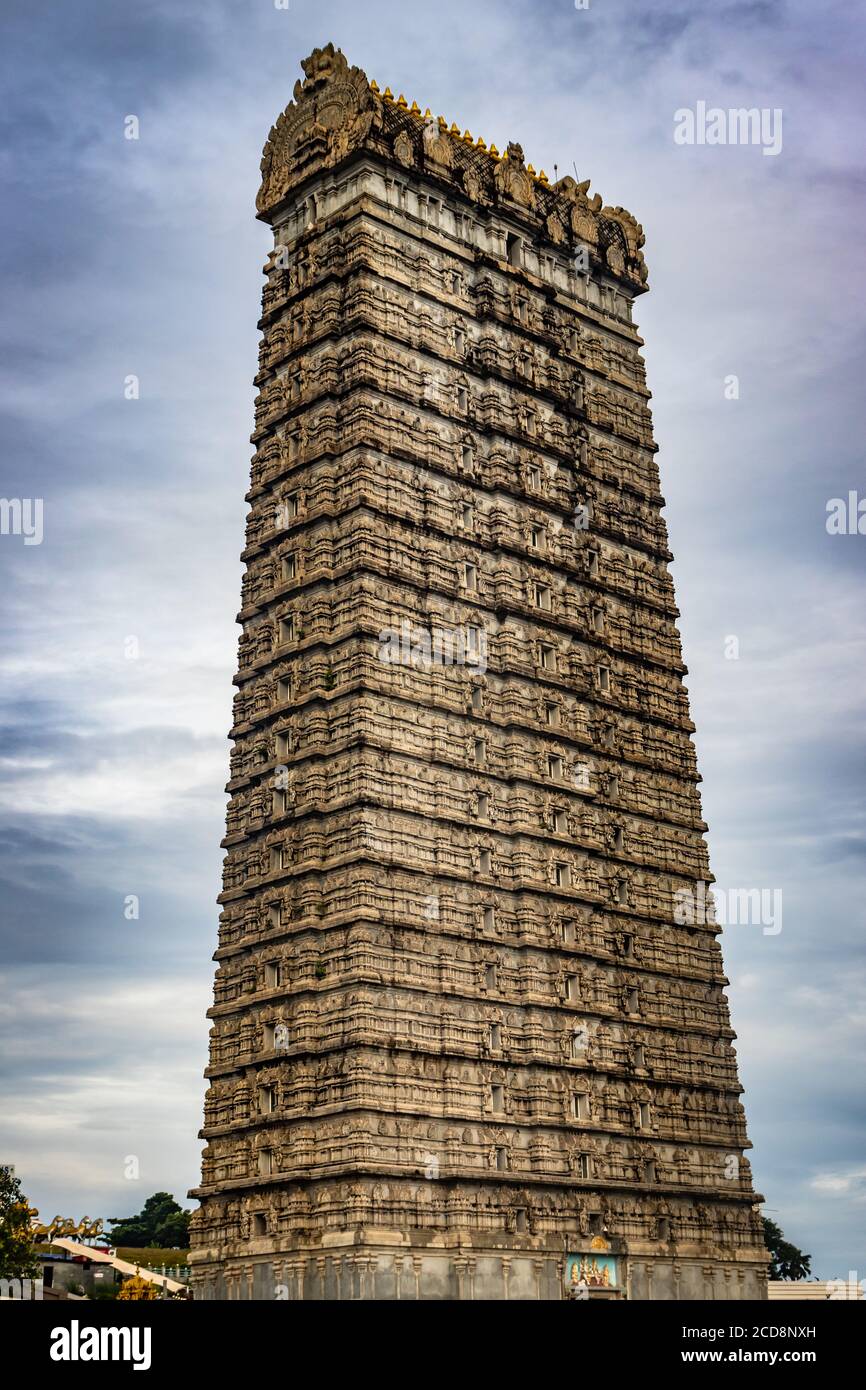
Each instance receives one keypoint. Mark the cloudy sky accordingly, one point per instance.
(118, 640)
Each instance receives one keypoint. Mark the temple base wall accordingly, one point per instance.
(349, 1270)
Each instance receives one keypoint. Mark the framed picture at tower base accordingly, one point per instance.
(593, 1273)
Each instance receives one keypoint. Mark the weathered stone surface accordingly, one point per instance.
(460, 1040)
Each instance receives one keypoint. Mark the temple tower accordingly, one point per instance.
(469, 1032)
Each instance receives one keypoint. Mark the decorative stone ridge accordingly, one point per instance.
(337, 111)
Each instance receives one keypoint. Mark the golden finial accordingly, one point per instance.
(414, 109)
(479, 144)
(443, 124)
(530, 171)
(388, 94)
(374, 85)
(402, 102)
(467, 137)
(428, 114)
(494, 151)
(455, 129)
(542, 177)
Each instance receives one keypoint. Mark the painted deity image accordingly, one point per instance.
(591, 1271)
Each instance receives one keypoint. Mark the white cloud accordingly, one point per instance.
(850, 1185)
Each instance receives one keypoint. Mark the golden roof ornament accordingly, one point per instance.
(415, 110)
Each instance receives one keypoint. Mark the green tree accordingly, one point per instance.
(17, 1257)
(787, 1262)
(161, 1222)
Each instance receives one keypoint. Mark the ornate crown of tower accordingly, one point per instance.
(467, 1042)
(337, 112)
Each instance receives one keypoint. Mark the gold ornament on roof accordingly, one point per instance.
(453, 129)
(138, 1288)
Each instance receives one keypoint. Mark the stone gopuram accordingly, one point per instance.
(469, 1040)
